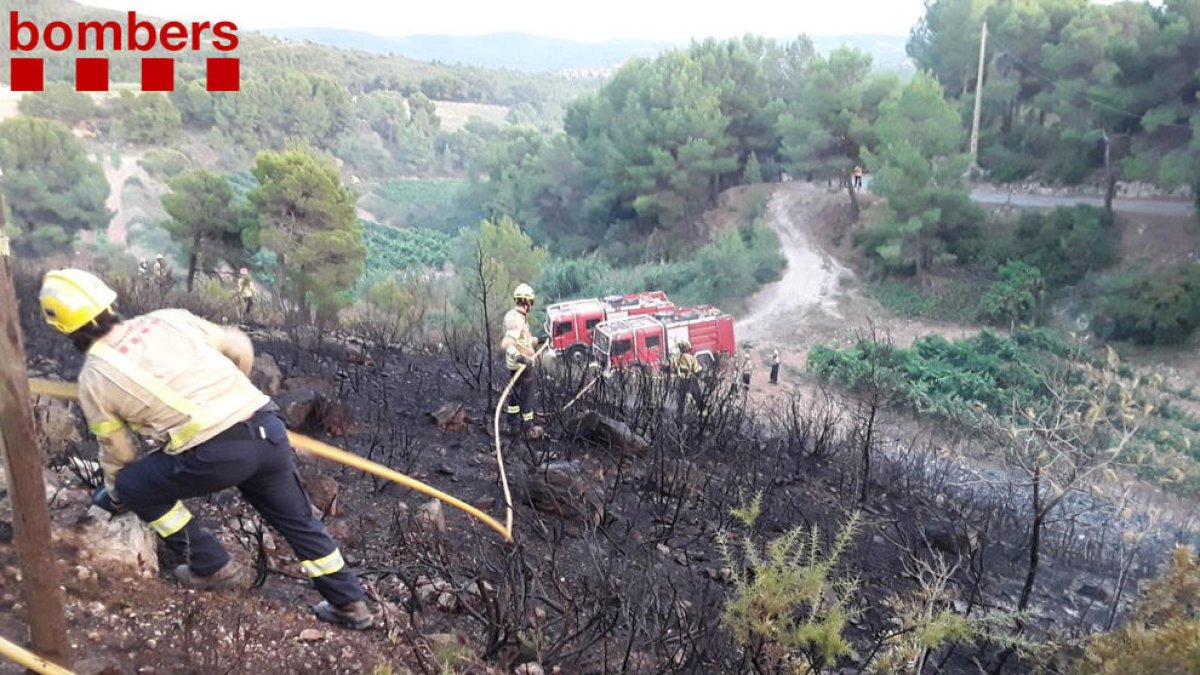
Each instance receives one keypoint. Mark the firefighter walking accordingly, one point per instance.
(183, 382)
(519, 349)
(686, 368)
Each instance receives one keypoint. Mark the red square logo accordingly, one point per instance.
(28, 74)
(91, 74)
(158, 74)
(224, 75)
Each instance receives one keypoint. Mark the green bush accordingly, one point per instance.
(1014, 296)
(435, 204)
(1158, 307)
(1065, 244)
(164, 163)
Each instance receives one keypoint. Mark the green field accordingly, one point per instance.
(454, 115)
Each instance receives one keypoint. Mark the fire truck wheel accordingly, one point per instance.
(578, 355)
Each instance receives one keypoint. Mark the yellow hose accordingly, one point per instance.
(508, 507)
(70, 390)
(23, 657)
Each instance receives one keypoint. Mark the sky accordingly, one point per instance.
(667, 20)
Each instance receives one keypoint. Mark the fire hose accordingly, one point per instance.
(32, 661)
(69, 390)
(508, 507)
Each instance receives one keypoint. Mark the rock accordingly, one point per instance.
(663, 549)
(532, 668)
(322, 490)
(335, 417)
(596, 429)
(311, 635)
(484, 503)
(565, 489)
(123, 541)
(450, 417)
(320, 385)
(431, 517)
(681, 559)
(948, 537)
(265, 374)
(1101, 592)
(297, 407)
(446, 470)
(356, 354)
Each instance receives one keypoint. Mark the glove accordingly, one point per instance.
(543, 338)
(102, 498)
(524, 360)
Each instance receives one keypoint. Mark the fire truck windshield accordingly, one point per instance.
(601, 342)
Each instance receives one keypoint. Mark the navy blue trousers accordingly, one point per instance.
(520, 400)
(264, 470)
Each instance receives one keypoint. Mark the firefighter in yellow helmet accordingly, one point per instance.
(519, 348)
(245, 291)
(183, 382)
(685, 367)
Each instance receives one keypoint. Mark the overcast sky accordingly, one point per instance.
(675, 20)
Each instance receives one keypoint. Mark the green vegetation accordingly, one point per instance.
(308, 222)
(1164, 634)
(390, 249)
(1066, 80)
(148, 119)
(52, 188)
(989, 380)
(1159, 307)
(430, 204)
(789, 605)
(203, 219)
(59, 101)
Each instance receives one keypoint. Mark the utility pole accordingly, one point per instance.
(40, 592)
(978, 97)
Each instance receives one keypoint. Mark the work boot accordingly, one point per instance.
(352, 615)
(231, 576)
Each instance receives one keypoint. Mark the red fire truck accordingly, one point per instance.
(649, 341)
(570, 324)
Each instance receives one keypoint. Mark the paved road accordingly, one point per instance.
(1157, 207)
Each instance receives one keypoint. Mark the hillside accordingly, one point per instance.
(535, 53)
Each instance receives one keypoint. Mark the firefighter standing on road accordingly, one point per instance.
(519, 345)
(685, 366)
(182, 381)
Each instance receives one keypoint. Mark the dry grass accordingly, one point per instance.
(454, 115)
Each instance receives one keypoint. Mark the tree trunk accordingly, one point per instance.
(192, 262)
(865, 479)
(1110, 176)
(1035, 544)
(40, 589)
(854, 206)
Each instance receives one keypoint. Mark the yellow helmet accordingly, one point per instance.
(523, 292)
(72, 298)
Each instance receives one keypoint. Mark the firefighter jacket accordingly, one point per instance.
(685, 364)
(245, 287)
(170, 376)
(517, 338)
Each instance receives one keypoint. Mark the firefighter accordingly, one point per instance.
(143, 270)
(775, 367)
(858, 175)
(519, 349)
(747, 369)
(685, 367)
(182, 382)
(245, 291)
(162, 273)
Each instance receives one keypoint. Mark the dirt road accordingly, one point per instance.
(1155, 207)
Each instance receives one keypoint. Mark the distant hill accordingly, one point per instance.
(517, 51)
(533, 53)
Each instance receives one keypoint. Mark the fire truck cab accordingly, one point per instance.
(645, 341)
(570, 324)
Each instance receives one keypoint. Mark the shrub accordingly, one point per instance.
(1065, 244)
(1164, 634)
(390, 249)
(1159, 307)
(163, 163)
(1014, 296)
(788, 606)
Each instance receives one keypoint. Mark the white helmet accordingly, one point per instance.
(523, 292)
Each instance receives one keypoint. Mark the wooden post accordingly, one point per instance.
(26, 486)
(978, 97)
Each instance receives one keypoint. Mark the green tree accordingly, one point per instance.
(919, 168)
(148, 118)
(491, 261)
(308, 221)
(752, 174)
(52, 187)
(824, 134)
(945, 41)
(203, 220)
(59, 101)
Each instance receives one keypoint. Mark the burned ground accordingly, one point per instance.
(617, 565)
